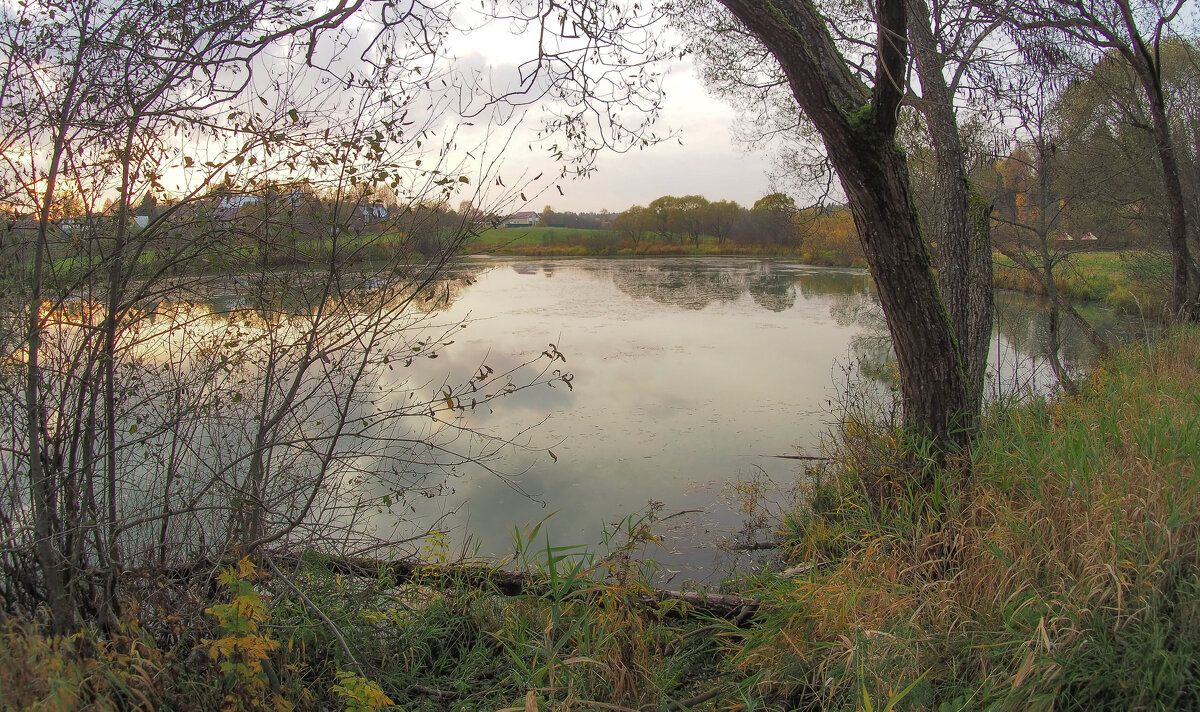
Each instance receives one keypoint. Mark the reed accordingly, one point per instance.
(1063, 574)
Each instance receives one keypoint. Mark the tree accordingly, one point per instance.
(176, 393)
(1035, 206)
(665, 212)
(856, 117)
(953, 58)
(952, 38)
(1105, 143)
(1075, 35)
(773, 215)
(691, 216)
(720, 218)
(633, 224)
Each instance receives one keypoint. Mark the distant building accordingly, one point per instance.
(523, 219)
(1089, 237)
(373, 212)
(228, 206)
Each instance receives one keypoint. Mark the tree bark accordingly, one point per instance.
(858, 126)
(51, 560)
(961, 224)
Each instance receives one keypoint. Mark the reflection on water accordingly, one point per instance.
(695, 284)
(689, 374)
(689, 378)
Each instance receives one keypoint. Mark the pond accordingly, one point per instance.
(691, 377)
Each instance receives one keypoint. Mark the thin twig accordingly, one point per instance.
(313, 607)
(679, 513)
(439, 694)
(605, 706)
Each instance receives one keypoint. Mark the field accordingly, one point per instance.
(1134, 282)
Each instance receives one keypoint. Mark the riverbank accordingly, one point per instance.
(1133, 282)
(1062, 575)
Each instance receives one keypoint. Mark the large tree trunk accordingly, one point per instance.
(960, 225)
(858, 126)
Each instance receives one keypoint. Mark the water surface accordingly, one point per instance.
(690, 378)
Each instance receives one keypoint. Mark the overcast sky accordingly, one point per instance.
(700, 158)
(703, 161)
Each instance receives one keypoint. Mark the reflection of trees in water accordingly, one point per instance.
(695, 285)
(871, 347)
(1022, 321)
(684, 284)
(817, 283)
(448, 288)
(773, 289)
(294, 294)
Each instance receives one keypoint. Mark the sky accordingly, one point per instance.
(703, 160)
(700, 157)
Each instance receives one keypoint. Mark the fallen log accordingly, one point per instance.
(518, 583)
(476, 575)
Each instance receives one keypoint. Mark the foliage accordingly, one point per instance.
(243, 648)
(40, 671)
(361, 695)
(1062, 576)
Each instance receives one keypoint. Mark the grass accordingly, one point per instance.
(1131, 282)
(1063, 574)
(585, 642)
(513, 237)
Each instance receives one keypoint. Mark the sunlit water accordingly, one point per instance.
(691, 377)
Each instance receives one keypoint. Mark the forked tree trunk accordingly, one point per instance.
(961, 224)
(858, 126)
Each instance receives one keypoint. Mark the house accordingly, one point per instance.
(227, 207)
(372, 212)
(523, 219)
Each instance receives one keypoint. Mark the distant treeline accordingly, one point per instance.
(818, 235)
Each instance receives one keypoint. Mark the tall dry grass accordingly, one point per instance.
(1065, 574)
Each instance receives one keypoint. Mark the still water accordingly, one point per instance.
(691, 378)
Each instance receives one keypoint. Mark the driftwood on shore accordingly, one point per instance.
(488, 578)
(518, 583)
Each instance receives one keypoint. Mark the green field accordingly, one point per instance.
(536, 236)
(1127, 281)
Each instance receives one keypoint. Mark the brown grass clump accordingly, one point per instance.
(58, 673)
(1063, 575)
